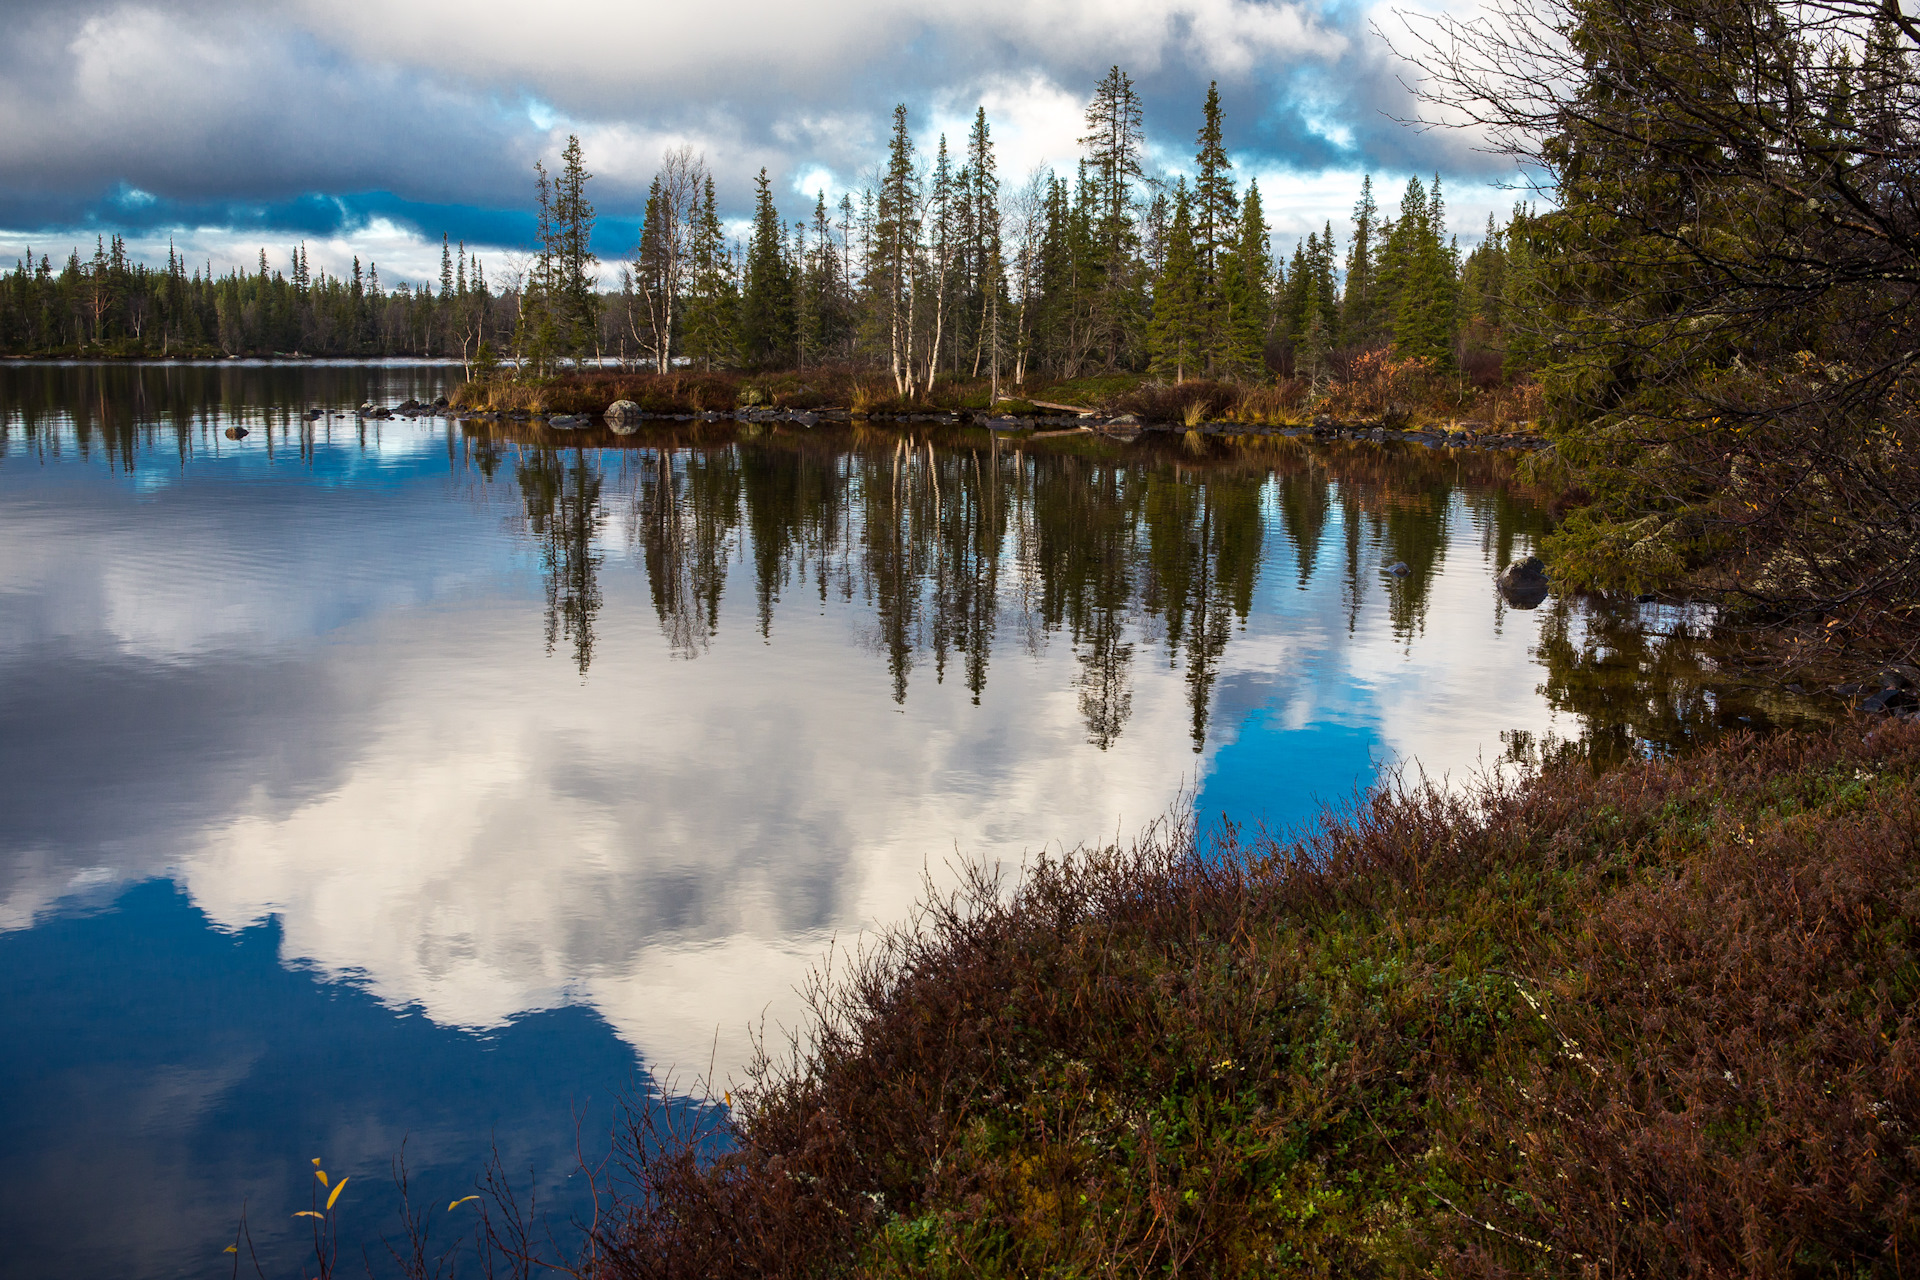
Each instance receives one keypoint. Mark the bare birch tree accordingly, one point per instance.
(663, 258)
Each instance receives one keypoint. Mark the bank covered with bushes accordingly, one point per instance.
(1657, 1021)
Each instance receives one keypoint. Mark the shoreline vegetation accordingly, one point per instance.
(1655, 1020)
(1397, 398)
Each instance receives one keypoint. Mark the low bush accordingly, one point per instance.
(1658, 1021)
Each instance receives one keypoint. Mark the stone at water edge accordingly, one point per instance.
(1399, 569)
(237, 433)
(1524, 583)
(623, 417)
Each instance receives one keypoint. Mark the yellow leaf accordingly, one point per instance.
(337, 1190)
(316, 1162)
(308, 1213)
(232, 1248)
(457, 1203)
(322, 1175)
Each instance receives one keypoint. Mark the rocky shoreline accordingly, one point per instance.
(625, 418)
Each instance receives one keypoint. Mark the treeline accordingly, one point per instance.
(110, 305)
(939, 268)
(936, 268)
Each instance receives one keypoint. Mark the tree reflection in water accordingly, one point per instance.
(952, 545)
(955, 548)
(562, 495)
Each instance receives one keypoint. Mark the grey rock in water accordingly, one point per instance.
(1125, 420)
(366, 406)
(314, 415)
(1893, 698)
(1524, 583)
(237, 433)
(567, 421)
(623, 417)
(1399, 569)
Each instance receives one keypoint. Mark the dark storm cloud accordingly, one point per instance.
(269, 117)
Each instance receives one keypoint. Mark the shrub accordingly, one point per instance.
(1658, 1021)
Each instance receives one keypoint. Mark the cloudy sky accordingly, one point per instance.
(373, 126)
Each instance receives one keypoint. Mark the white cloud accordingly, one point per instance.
(446, 102)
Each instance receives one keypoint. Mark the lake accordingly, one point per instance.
(376, 783)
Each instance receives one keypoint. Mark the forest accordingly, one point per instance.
(937, 269)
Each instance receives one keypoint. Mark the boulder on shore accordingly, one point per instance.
(1524, 583)
(623, 417)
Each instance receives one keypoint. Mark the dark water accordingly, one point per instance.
(376, 782)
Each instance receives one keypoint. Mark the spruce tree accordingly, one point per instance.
(766, 303)
(1215, 228)
(1114, 143)
(1174, 337)
(576, 306)
(988, 263)
(1360, 307)
(1418, 272)
(712, 337)
(536, 334)
(893, 271)
(943, 206)
(1248, 292)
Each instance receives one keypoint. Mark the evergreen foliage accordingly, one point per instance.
(933, 272)
(1178, 330)
(1723, 294)
(767, 328)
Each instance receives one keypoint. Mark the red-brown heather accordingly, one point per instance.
(1653, 1021)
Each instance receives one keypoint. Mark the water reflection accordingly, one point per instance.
(455, 725)
(953, 544)
(562, 494)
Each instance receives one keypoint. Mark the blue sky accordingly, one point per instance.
(370, 128)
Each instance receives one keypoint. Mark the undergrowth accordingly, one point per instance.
(1369, 387)
(1658, 1021)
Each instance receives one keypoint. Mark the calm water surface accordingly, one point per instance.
(376, 782)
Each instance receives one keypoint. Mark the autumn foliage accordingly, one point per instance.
(1654, 1022)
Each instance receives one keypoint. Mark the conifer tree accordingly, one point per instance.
(1176, 331)
(1114, 142)
(893, 270)
(767, 301)
(536, 333)
(1418, 277)
(1215, 228)
(1247, 292)
(943, 203)
(711, 324)
(575, 305)
(987, 257)
(1360, 324)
